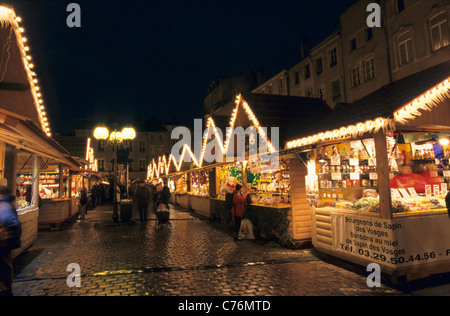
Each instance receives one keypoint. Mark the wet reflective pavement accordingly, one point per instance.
(189, 256)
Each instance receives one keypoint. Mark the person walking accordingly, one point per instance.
(10, 233)
(142, 197)
(83, 202)
(161, 198)
(237, 210)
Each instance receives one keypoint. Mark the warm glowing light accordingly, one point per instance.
(424, 102)
(128, 133)
(444, 141)
(155, 169)
(8, 17)
(370, 126)
(101, 133)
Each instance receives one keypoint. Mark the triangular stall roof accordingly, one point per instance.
(395, 105)
(23, 120)
(290, 114)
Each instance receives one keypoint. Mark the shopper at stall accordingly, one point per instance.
(237, 211)
(83, 202)
(407, 179)
(10, 232)
(143, 199)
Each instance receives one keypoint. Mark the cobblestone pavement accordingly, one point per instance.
(189, 256)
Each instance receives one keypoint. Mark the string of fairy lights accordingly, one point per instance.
(8, 17)
(163, 166)
(409, 111)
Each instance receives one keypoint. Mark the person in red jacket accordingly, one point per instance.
(239, 197)
(407, 179)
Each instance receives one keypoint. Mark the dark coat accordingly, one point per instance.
(10, 221)
(161, 197)
(142, 196)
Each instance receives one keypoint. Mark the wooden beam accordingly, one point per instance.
(11, 86)
(384, 188)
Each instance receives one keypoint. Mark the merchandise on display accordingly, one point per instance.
(267, 188)
(419, 174)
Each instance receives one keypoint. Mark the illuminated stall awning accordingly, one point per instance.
(21, 132)
(394, 105)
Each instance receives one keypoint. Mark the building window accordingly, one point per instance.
(405, 48)
(101, 165)
(263, 90)
(309, 93)
(307, 71)
(297, 77)
(400, 5)
(269, 89)
(142, 165)
(322, 93)
(280, 84)
(353, 44)
(369, 69)
(160, 150)
(319, 66)
(333, 57)
(369, 34)
(336, 87)
(356, 81)
(439, 31)
(101, 145)
(142, 146)
(130, 166)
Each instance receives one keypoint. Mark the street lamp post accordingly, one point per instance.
(116, 139)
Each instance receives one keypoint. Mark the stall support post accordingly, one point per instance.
(35, 181)
(69, 185)
(384, 189)
(61, 181)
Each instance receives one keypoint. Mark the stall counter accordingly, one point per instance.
(200, 205)
(54, 212)
(402, 246)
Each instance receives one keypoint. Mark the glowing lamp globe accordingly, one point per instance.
(101, 133)
(128, 133)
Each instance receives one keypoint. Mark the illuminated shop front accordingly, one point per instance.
(377, 181)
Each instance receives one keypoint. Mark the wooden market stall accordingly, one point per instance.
(378, 174)
(25, 138)
(277, 207)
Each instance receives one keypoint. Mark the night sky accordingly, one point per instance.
(158, 58)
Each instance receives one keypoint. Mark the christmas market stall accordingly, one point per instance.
(25, 139)
(178, 187)
(378, 174)
(199, 192)
(276, 205)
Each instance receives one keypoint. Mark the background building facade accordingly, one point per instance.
(354, 60)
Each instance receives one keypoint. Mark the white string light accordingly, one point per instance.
(154, 170)
(8, 17)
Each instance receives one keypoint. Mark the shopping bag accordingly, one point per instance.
(246, 231)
